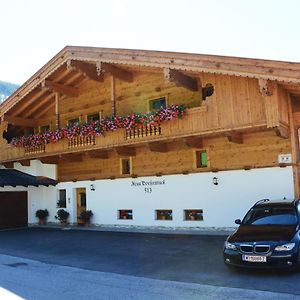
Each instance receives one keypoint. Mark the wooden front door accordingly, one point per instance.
(13, 210)
(81, 203)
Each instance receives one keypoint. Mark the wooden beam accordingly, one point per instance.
(265, 87)
(76, 157)
(23, 122)
(158, 147)
(8, 165)
(61, 88)
(115, 71)
(181, 79)
(24, 104)
(194, 142)
(37, 106)
(45, 109)
(51, 160)
(25, 162)
(98, 154)
(88, 70)
(235, 137)
(282, 131)
(125, 151)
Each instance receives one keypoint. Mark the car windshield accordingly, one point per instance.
(271, 216)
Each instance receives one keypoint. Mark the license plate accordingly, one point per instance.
(254, 258)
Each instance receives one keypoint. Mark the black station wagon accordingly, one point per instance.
(268, 236)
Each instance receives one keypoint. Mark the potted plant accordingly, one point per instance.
(62, 215)
(42, 215)
(86, 216)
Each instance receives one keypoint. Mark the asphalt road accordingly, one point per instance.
(183, 258)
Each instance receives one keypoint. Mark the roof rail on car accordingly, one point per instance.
(262, 201)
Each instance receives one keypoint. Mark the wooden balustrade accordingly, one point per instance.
(35, 149)
(81, 141)
(197, 121)
(146, 130)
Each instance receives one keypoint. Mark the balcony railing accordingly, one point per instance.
(81, 141)
(147, 130)
(35, 149)
(197, 121)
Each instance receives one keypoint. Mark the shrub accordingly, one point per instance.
(62, 215)
(86, 215)
(42, 214)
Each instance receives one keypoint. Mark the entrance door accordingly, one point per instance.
(81, 203)
(13, 210)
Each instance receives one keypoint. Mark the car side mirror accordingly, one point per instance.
(238, 221)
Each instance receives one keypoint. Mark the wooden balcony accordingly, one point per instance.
(198, 122)
(147, 130)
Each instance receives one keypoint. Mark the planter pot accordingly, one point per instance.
(63, 223)
(42, 221)
(87, 224)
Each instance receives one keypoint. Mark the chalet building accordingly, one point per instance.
(149, 138)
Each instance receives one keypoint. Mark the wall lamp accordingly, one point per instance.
(92, 187)
(215, 181)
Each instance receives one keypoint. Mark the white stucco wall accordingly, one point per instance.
(236, 192)
(222, 203)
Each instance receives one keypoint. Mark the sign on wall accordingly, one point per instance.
(148, 186)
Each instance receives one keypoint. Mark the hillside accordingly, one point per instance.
(6, 89)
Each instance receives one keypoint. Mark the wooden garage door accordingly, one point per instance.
(13, 209)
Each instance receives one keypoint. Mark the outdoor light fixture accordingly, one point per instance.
(215, 181)
(92, 187)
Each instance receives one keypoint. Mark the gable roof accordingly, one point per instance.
(12, 177)
(286, 72)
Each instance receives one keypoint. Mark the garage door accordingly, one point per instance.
(13, 210)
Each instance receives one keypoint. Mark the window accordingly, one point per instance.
(193, 215)
(29, 131)
(82, 199)
(44, 128)
(165, 214)
(157, 104)
(125, 214)
(73, 122)
(93, 118)
(62, 199)
(271, 216)
(125, 166)
(201, 159)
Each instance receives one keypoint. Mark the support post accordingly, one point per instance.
(57, 123)
(113, 95)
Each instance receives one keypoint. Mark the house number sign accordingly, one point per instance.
(148, 185)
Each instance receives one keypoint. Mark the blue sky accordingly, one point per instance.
(33, 31)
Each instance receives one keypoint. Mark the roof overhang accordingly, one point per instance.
(286, 72)
(12, 177)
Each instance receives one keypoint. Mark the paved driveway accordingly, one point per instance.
(185, 258)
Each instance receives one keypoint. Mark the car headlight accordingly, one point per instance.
(230, 246)
(285, 247)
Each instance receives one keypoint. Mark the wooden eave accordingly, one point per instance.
(283, 72)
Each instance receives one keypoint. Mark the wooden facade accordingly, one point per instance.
(252, 116)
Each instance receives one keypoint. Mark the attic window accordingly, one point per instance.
(207, 91)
